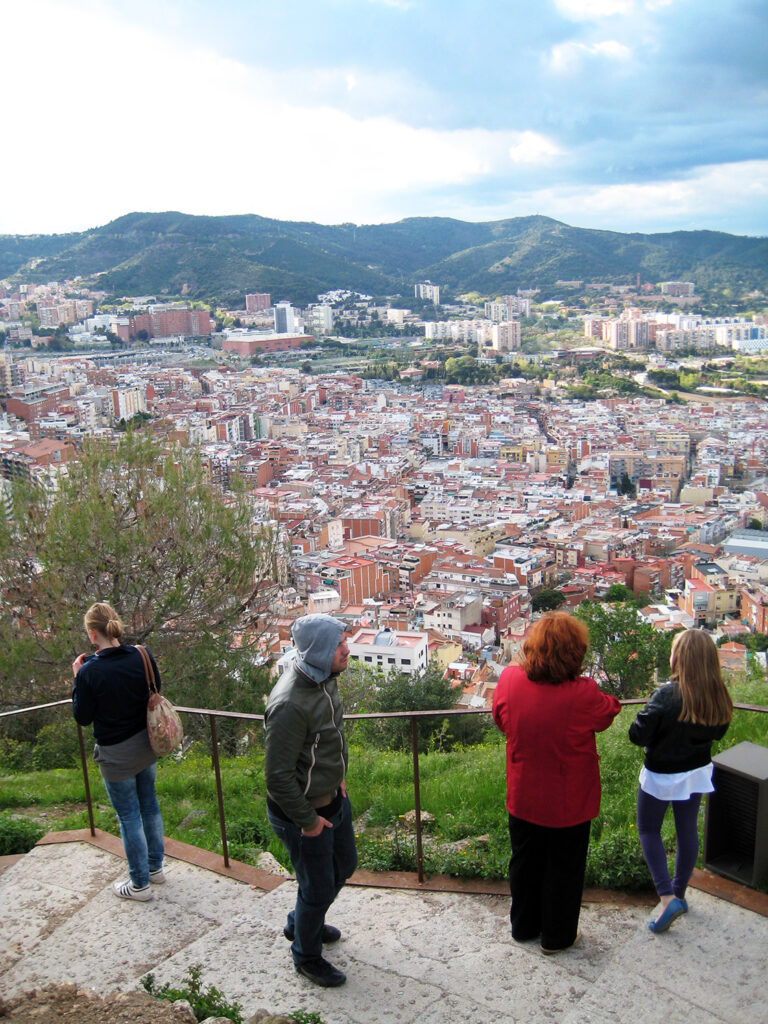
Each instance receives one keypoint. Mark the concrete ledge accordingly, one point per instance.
(8, 860)
(176, 849)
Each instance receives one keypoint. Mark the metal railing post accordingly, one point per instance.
(417, 797)
(219, 794)
(84, 764)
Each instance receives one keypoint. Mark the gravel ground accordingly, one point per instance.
(61, 1003)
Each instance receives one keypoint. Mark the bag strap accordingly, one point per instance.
(149, 672)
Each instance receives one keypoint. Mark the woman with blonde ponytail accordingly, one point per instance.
(677, 728)
(111, 692)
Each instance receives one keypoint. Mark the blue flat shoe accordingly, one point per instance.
(674, 909)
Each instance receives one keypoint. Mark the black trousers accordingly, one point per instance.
(546, 879)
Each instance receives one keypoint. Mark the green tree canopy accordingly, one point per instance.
(619, 592)
(624, 651)
(143, 529)
(547, 600)
(426, 691)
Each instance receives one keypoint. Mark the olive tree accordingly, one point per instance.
(141, 527)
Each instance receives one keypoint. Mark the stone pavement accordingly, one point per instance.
(412, 957)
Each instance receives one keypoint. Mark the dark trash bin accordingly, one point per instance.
(736, 821)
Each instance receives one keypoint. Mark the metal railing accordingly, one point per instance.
(212, 715)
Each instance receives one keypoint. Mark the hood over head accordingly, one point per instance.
(316, 638)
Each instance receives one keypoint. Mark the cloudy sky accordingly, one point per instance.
(632, 115)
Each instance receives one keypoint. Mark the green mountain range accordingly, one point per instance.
(224, 257)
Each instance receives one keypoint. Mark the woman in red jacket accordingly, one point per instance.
(550, 715)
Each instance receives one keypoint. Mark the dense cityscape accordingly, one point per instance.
(437, 475)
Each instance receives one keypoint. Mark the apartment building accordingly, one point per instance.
(453, 614)
(754, 607)
(257, 301)
(391, 650)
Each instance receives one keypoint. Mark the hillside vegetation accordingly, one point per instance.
(222, 257)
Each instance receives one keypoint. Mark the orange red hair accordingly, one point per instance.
(554, 650)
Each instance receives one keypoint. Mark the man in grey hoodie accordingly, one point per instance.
(307, 804)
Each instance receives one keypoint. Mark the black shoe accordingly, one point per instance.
(328, 935)
(322, 973)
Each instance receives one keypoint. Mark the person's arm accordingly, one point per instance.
(498, 707)
(286, 734)
(603, 709)
(646, 724)
(83, 703)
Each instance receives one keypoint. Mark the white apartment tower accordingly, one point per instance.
(285, 318)
(427, 291)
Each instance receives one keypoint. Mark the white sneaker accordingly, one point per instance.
(157, 877)
(126, 890)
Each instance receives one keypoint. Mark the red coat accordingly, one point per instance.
(553, 776)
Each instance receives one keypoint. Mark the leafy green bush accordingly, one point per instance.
(615, 861)
(204, 1002)
(56, 746)
(18, 835)
(16, 755)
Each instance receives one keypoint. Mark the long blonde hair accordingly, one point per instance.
(104, 619)
(695, 667)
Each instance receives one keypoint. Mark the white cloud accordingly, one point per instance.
(593, 10)
(565, 58)
(156, 126)
(724, 197)
(532, 148)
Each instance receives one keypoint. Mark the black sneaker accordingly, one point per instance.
(322, 973)
(328, 935)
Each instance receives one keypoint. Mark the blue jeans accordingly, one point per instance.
(322, 864)
(141, 824)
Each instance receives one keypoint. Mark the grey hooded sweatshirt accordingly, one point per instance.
(306, 752)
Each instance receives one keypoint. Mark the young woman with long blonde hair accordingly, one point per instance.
(111, 692)
(677, 728)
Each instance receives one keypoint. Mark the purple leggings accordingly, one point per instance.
(650, 815)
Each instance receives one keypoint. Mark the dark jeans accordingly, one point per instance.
(141, 823)
(546, 879)
(322, 864)
(650, 815)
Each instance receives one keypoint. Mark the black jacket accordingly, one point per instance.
(111, 691)
(671, 745)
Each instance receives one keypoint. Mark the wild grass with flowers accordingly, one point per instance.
(462, 790)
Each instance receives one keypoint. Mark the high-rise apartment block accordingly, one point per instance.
(256, 301)
(507, 307)
(506, 337)
(285, 318)
(321, 320)
(427, 291)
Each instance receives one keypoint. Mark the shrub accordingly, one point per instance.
(204, 1002)
(56, 747)
(18, 835)
(616, 861)
(16, 755)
